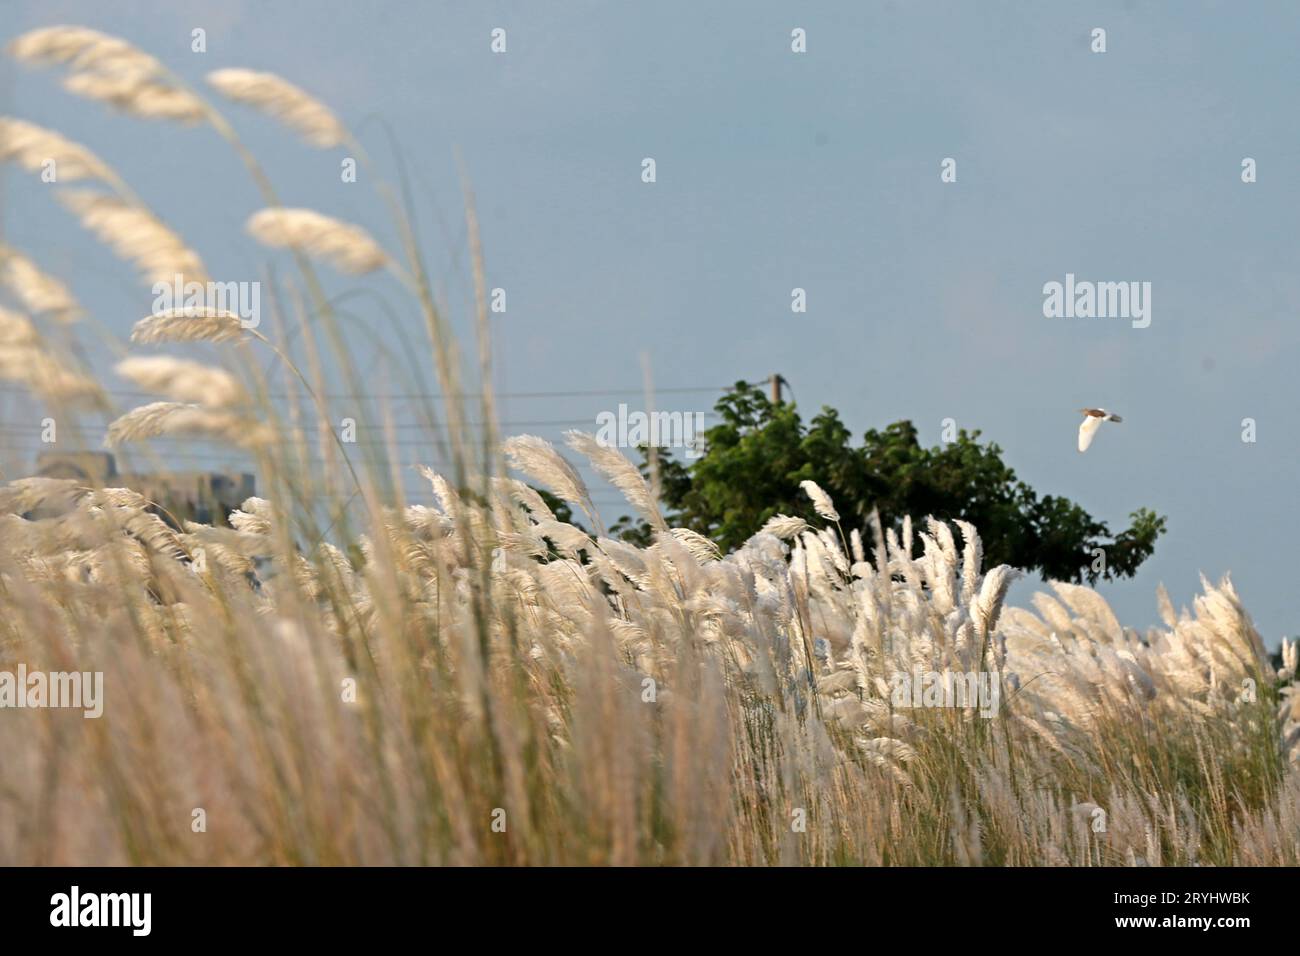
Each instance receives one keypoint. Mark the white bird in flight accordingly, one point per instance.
(1092, 419)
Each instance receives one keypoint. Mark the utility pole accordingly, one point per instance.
(777, 381)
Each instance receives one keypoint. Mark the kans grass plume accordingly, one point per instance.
(39, 293)
(186, 419)
(348, 248)
(110, 70)
(188, 324)
(39, 150)
(136, 235)
(27, 359)
(183, 380)
(279, 98)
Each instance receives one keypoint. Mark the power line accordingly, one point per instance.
(435, 396)
(547, 423)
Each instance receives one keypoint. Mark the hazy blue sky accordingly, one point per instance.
(821, 171)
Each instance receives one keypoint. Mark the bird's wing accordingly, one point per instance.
(1087, 429)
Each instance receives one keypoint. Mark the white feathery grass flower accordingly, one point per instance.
(183, 381)
(32, 147)
(448, 500)
(26, 363)
(821, 500)
(1289, 657)
(16, 330)
(26, 494)
(992, 592)
(785, 526)
(700, 547)
(110, 70)
(188, 325)
(40, 293)
(138, 94)
(135, 235)
(568, 540)
(620, 472)
(855, 546)
(177, 418)
(146, 421)
(24, 359)
(971, 561)
(282, 100)
(535, 457)
(521, 494)
(78, 48)
(348, 248)
(255, 516)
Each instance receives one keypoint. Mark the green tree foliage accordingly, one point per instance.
(759, 452)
